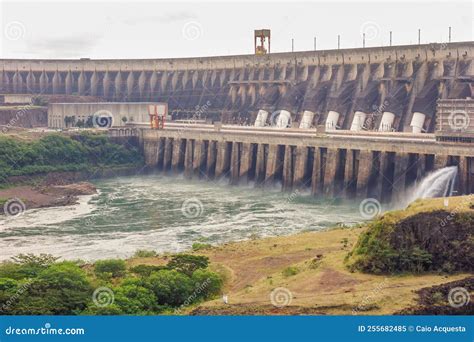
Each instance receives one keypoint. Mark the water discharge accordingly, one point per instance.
(167, 214)
(439, 183)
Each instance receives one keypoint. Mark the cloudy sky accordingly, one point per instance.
(160, 29)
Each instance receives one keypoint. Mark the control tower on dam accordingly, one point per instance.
(383, 89)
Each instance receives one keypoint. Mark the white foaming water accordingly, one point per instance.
(439, 183)
(166, 214)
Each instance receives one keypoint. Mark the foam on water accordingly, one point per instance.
(146, 212)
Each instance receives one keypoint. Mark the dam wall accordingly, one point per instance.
(386, 89)
(378, 166)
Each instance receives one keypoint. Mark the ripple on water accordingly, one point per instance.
(145, 212)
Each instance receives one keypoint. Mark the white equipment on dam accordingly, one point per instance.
(417, 122)
(386, 125)
(261, 118)
(331, 121)
(358, 121)
(307, 119)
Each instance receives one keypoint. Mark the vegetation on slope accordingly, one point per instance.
(41, 285)
(55, 152)
(419, 239)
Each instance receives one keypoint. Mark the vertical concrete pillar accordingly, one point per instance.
(245, 162)
(330, 171)
(288, 168)
(188, 159)
(363, 172)
(350, 175)
(211, 159)
(222, 157)
(463, 176)
(316, 176)
(271, 163)
(198, 157)
(386, 176)
(399, 176)
(441, 161)
(151, 152)
(234, 164)
(260, 164)
(177, 152)
(300, 166)
(168, 154)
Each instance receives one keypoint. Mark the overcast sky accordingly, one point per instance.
(160, 29)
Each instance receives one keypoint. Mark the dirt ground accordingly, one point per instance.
(257, 280)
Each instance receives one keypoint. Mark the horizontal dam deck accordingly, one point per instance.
(378, 165)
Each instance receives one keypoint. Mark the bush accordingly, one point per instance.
(422, 242)
(58, 153)
(115, 267)
(143, 253)
(290, 271)
(61, 289)
(134, 299)
(209, 282)
(146, 270)
(171, 287)
(188, 263)
(197, 246)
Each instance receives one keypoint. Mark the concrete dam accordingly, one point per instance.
(368, 122)
(386, 89)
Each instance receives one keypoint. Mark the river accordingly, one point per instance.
(166, 214)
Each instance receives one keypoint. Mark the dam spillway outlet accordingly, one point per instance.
(327, 166)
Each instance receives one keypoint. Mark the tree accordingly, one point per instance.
(170, 287)
(134, 299)
(115, 267)
(60, 289)
(188, 263)
(124, 120)
(206, 283)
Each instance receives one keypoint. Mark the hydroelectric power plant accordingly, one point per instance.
(367, 122)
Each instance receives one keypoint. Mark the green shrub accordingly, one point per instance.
(57, 153)
(170, 287)
(146, 270)
(197, 246)
(60, 289)
(134, 299)
(290, 271)
(115, 267)
(188, 263)
(143, 253)
(206, 283)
